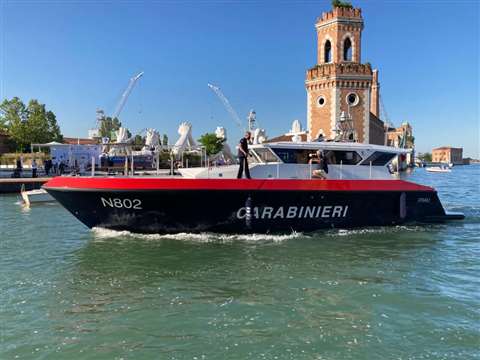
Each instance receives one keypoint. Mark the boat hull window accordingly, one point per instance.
(342, 157)
(379, 158)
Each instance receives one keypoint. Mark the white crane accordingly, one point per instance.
(227, 105)
(384, 115)
(125, 95)
(93, 133)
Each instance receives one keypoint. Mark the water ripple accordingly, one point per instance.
(405, 292)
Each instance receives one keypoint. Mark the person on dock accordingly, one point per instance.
(55, 166)
(18, 169)
(243, 155)
(61, 167)
(48, 166)
(34, 168)
(82, 169)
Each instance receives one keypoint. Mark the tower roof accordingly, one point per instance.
(341, 12)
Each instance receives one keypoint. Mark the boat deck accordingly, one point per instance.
(13, 185)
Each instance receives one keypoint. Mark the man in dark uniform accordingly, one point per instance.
(242, 156)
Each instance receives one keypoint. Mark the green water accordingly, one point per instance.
(409, 292)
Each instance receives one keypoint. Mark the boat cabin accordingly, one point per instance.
(288, 160)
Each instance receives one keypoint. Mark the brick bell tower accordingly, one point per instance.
(340, 86)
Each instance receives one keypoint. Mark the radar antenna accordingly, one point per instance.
(252, 118)
(345, 131)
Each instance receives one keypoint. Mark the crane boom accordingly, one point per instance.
(385, 116)
(227, 105)
(125, 95)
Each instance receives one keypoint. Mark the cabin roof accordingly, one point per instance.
(333, 145)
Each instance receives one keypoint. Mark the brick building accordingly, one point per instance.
(401, 136)
(79, 141)
(340, 85)
(447, 155)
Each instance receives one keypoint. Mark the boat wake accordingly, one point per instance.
(379, 230)
(102, 234)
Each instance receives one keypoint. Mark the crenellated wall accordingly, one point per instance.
(338, 69)
(337, 12)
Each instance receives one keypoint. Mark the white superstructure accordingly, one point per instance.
(290, 160)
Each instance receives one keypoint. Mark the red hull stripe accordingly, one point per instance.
(145, 183)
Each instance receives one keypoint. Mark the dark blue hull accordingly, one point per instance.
(244, 211)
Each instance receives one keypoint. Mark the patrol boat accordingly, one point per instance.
(283, 196)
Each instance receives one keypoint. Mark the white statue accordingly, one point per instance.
(296, 127)
(259, 136)
(152, 140)
(121, 138)
(226, 152)
(122, 135)
(221, 133)
(186, 139)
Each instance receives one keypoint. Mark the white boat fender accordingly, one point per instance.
(403, 205)
(248, 212)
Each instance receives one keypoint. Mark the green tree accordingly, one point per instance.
(13, 118)
(138, 140)
(54, 128)
(37, 127)
(12, 111)
(108, 126)
(342, 4)
(212, 143)
(427, 157)
(28, 124)
(165, 140)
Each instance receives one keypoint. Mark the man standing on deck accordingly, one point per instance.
(242, 156)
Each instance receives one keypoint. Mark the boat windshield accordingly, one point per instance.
(302, 156)
(379, 158)
(342, 157)
(263, 155)
(294, 156)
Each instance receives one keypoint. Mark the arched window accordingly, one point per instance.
(328, 51)
(347, 50)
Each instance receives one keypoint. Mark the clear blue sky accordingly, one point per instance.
(76, 56)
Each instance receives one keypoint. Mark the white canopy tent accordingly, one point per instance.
(81, 155)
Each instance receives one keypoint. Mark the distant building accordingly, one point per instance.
(447, 155)
(340, 86)
(288, 138)
(79, 141)
(402, 137)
